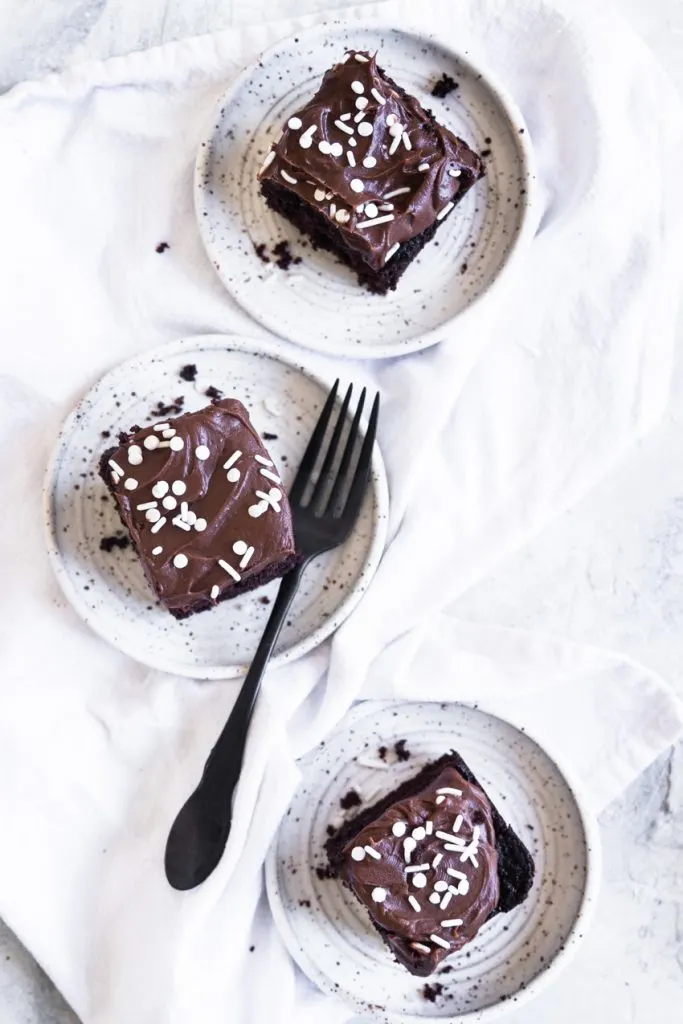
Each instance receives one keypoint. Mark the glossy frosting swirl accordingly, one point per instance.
(386, 885)
(340, 164)
(239, 528)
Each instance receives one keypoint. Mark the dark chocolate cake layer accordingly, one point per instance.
(432, 862)
(367, 172)
(204, 506)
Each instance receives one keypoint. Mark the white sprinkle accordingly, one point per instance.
(446, 900)
(177, 444)
(371, 210)
(455, 874)
(440, 886)
(469, 854)
(437, 860)
(406, 141)
(420, 948)
(319, 195)
(414, 904)
(391, 119)
(454, 890)
(429, 827)
(390, 195)
(417, 867)
(167, 434)
(151, 442)
(215, 591)
(178, 487)
(353, 142)
(233, 475)
(453, 172)
(365, 129)
(440, 942)
(475, 834)
(457, 825)
(370, 762)
(379, 894)
(447, 209)
(180, 560)
(358, 853)
(343, 127)
(357, 120)
(131, 484)
(345, 117)
(447, 789)
(419, 880)
(423, 167)
(115, 466)
(369, 161)
(157, 550)
(396, 130)
(135, 455)
(392, 252)
(333, 209)
(262, 460)
(157, 526)
(200, 525)
(361, 58)
(452, 846)
(447, 838)
(454, 922)
(408, 847)
(361, 103)
(378, 96)
(164, 444)
(152, 515)
(360, 207)
(180, 522)
(324, 147)
(418, 833)
(399, 828)
(184, 507)
(240, 547)
(351, 158)
(146, 504)
(386, 206)
(373, 853)
(202, 452)
(435, 898)
(440, 799)
(169, 502)
(270, 476)
(268, 161)
(342, 216)
(248, 555)
(288, 177)
(161, 426)
(358, 88)
(374, 223)
(306, 138)
(233, 458)
(356, 185)
(229, 569)
(295, 123)
(337, 149)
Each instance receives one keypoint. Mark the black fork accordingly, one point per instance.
(322, 521)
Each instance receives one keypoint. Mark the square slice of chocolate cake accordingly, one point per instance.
(431, 863)
(204, 506)
(366, 172)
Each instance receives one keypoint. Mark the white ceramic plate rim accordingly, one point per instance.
(574, 937)
(435, 335)
(251, 346)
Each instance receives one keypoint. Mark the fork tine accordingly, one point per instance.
(343, 470)
(362, 474)
(313, 450)
(324, 477)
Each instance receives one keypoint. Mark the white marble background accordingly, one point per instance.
(610, 572)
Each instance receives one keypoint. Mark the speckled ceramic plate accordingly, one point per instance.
(329, 934)
(471, 250)
(109, 590)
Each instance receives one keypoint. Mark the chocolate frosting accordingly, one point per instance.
(225, 518)
(466, 817)
(423, 158)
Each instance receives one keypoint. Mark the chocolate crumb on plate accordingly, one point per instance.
(283, 256)
(215, 394)
(431, 992)
(382, 753)
(117, 540)
(268, 437)
(188, 372)
(401, 751)
(349, 800)
(260, 251)
(162, 409)
(105, 434)
(162, 247)
(444, 87)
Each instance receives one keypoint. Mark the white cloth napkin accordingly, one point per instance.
(485, 440)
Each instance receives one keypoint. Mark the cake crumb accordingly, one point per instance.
(252, 948)
(162, 247)
(349, 800)
(162, 409)
(401, 751)
(304, 903)
(331, 831)
(446, 970)
(485, 153)
(215, 394)
(283, 256)
(324, 873)
(264, 600)
(382, 753)
(188, 372)
(444, 87)
(431, 992)
(268, 437)
(117, 540)
(260, 251)
(105, 434)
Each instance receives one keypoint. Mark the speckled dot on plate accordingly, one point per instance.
(469, 253)
(109, 590)
(328, 932)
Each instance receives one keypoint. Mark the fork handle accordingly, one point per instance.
(224, 764)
